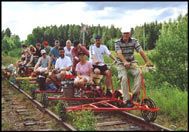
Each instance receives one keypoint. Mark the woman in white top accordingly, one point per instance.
(68, 49)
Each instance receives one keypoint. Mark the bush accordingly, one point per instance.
(171, 53)
(15, 53)
(6, 60)
(83, 120)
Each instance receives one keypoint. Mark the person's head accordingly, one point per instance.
(68, 43)
(82, 57)
(38, 45)
(57, 43)
(61, 52)
(76, 43)
(32, 48)
(98, 40)
(45, 43)
(126, 36)
(43, 53)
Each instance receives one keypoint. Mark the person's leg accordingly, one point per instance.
(136, 72)
(122, 74)
(42, 69)
(108, 80)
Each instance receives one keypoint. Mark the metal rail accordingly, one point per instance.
(147, 125)
(132, 118)
(41, 108)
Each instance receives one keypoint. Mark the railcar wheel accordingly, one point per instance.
(44, 100)
(148, 115)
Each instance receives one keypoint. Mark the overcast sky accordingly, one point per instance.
(22, 17)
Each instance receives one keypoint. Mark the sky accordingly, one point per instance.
(23, 17)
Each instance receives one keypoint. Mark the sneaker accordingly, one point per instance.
(128, 104)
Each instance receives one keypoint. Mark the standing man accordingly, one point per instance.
(97, 52)
(124, 48)
(54, 53)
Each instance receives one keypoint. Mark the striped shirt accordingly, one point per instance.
(128, 48)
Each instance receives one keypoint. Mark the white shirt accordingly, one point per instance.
(68, 52)
(62, 63)
(98, 52)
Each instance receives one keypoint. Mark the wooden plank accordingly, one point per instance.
(29, 123)
(110, 123)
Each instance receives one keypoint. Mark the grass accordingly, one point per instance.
(6, 60)
(83, 120)
(172, 101)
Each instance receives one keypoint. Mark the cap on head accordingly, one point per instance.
(98, 37)
(43, 51)
(45, 43)
(125, 31)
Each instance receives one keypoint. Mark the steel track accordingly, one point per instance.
(132, 119)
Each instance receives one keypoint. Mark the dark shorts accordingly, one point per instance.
(101, 68)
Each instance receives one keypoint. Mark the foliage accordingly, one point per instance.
(83, 120)
(147, 34)
(26, 85)
(9, 41)
(6, 60)
(171, 53)
(73, 32)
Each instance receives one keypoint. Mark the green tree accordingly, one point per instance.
(171, 53)
(8, 32)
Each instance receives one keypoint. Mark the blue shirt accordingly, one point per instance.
(54, 51)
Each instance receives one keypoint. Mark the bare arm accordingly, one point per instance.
(113, 58)
(122, 58)
(145, 58)
(31, 59)
(66, 69)
(49, 64)
(37, 65)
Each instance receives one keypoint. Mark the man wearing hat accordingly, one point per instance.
(43, 64)
(97, 51)
(124, 48)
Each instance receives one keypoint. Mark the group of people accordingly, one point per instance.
(60, 61)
